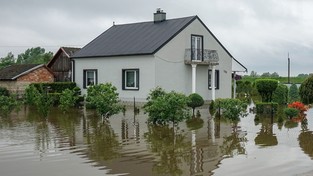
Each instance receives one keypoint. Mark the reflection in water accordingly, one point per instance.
(234, 144)
(306, 142)
(266, 137)
(102, 142)
(171, 147)
(126, 144)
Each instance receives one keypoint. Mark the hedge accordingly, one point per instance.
(56, 87)
(266, 107)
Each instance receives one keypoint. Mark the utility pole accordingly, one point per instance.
(288, 69)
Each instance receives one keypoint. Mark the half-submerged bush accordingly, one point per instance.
(266, 87)
(163, 107)
(291, 112)
(266, 107)
(104, 98)
(195, 100)
(232, 109)
(7, 105)
(306, 90)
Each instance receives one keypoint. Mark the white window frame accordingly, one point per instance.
(94, 73)
(136, 76)
(196, 47)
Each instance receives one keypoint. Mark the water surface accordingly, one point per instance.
(80, 143)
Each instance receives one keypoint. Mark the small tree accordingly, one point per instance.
(163, 107)
(280, 95)
(195, 100)
(266, 87)
(294, 93)
(306, 90)
(68, 99)
(105, 98)
(39, 98)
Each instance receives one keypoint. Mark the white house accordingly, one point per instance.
(176, 54)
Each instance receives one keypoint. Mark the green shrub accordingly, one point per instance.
(4, 91)
(280, 95)
(30, 95)
(291, 112)
(294, 93)
(232, 109)
(306, 90)
(195, 100)
(104, 98)
(163, 107)
(7, 105)
(55, 98)
(266, 107)
(67, 99)
(266, 87)
(43, 101)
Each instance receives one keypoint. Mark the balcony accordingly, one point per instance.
(201, 57)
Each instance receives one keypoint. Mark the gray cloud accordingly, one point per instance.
(257, 33)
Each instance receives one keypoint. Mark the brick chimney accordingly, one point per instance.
(159, 16)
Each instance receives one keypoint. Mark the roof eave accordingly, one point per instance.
(28, 71)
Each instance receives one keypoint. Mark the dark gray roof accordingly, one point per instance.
(70, 50)
(134, 39)
(14, 71)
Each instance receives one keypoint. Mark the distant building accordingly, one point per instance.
(61, 64)
(17, 77)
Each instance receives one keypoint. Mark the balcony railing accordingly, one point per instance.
(202, 57)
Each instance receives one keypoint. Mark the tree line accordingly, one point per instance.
(35, 55)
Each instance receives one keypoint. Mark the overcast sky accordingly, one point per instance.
(258, 33)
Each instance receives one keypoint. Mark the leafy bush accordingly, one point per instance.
(67, 99)
(266, 87)
(280, 95)
(30, 94)
(7, 104)
(104, 98)
(163, 107)
(232, 108)
(294, 93)
(244, 86)
(306, 90)
(39, 97)
(266, 107)
(195, 100)
(291, 112)
(4, 91)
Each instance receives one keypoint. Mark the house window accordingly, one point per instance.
(217, 79)
(90, 77)
(196, 48)
(130, 79)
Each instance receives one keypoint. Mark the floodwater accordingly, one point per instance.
(82, 144)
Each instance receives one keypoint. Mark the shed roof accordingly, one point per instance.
(14, 71)
(134, 39)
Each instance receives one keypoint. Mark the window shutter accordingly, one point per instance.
(123, 79)
(84, 77)
(137, 78)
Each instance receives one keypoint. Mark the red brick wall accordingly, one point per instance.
(39, 75)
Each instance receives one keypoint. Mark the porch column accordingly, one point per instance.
(234, 85)
(213, 82)
(194, 66)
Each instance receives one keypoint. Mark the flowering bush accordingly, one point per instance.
(298, 105)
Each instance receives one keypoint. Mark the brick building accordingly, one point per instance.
(17, 77)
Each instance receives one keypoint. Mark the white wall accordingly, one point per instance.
(173, 74)
(110, 70)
